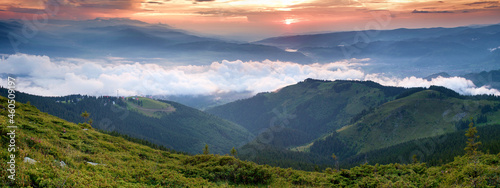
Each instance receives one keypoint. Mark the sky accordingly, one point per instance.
(256, 19)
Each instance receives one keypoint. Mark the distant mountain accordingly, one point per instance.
(441, 74)
(485, 78)
(203, 102)
(300, 113)
(403, 52)
(489, 79)
(131, 39)
(165, 123)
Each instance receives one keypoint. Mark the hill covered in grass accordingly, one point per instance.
(415, 115)
(417, 121)
(65, 154)
(166, 123)
(306, 110)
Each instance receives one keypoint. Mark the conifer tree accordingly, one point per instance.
(471, 149)
(472, 143)
(206, 151)
(234, 152)
(85, 115)
(336, 161)
(414, 159)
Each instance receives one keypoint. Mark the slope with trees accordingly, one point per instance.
(58, 153)
(181, 128)
(300, 113)
(417, 118)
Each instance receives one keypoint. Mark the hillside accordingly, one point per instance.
(423, 114)
(435, 151)
(58, 153)
(166, 123)
(300, 113)
(414, 114)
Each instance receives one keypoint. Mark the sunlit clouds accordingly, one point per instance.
(268, 17)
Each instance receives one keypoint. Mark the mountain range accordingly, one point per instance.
(399, 52)
(403, 52)
(130, 39)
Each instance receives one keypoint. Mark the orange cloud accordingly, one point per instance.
(223, 16)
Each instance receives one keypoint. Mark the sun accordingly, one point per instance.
(289, 21)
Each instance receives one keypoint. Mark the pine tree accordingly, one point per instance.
(336, 161)
(471, 149)
(234, 152)
(472, 143)
(206, 151)
(414, 159)
(85, 115)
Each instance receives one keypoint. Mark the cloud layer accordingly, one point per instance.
(42, 75)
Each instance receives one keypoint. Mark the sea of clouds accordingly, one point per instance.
(42, 75)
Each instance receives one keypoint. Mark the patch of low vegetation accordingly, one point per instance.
(149, 107)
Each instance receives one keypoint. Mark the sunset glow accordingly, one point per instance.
(246, 16)
(290, 21)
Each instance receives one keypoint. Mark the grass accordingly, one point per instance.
(149, 107)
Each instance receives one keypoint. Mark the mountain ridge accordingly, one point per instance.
(402, 52)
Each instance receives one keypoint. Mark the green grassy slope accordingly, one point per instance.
(181, 128)
(148, 107)
(437, 150)
(419, 114)
(49, 140)
(306, 110)
(424, 114)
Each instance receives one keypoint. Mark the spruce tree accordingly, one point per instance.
(472, 143)
(206, 151)
(472, 153)
(234, 152)
(336, 161)
(85, 115)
